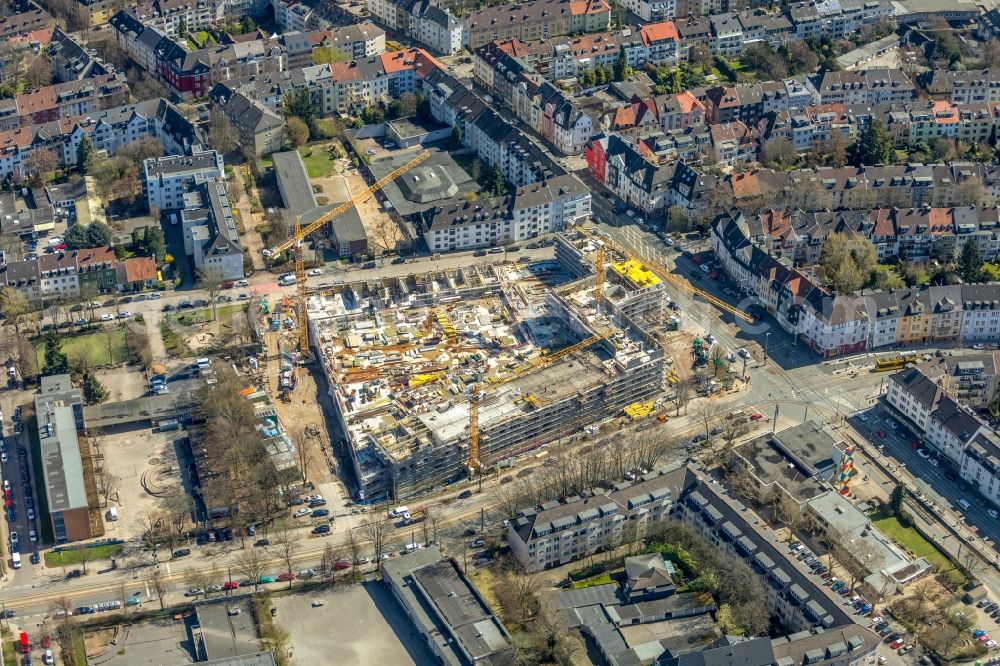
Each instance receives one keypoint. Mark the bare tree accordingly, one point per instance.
(86, 555)
(305, 452)
(682, 394)
(157, 583)
(354, 548)
(62, 608)
(706, 413)
(213, 286)
(286, 541)
(433, 517)
(252, 565)
(199, 579)
(376, 528)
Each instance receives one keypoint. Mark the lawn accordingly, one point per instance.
(9, 653)
(94, 344)
(318, 162)
(911, 540)
(603, 579)
(69, 557)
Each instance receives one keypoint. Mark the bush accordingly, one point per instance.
(591, 570)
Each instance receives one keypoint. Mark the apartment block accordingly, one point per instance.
(622, 168)
(535, 20)
(969, 87)
(839, 19)
(877, 85)
(166, 180)
(562, 531)
(210, 235)
(540, 208)
(257, 126)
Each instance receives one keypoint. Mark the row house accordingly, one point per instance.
(63, 276)
(562, 531)
(870, 87)
(138, 40)
(839, 19)
(170, 16)
(540, 208)
(969, 87)
(430, 24)
(865, 188)
(622, 169)
(71, 61)
(732, 143)
(256, 126)
(548, 110)
(691, 145)
(813, 126)
(751, 102)
(929, 120)
(63, 100)
(108, 131)
(27, 25)
(798, 236)
(830, 324)
(680, 111)
(534, 20)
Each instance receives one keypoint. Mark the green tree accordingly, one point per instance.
(76, 236)
(847, 262)
(970, 263)
(874, 146)
(84, 154)
(497, 183)
(153, 243)
(588, 79)
(600, 75)
(897, 498)
(98, 234)
(298, 103)
(622, 71)
(182, 30)
(56, 362)
(94, 392)
(456, 137)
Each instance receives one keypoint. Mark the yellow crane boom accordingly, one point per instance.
(670, 277)
(301, 232)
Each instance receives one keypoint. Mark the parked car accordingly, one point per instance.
(304, 511)
(321, 529)
(321, 513)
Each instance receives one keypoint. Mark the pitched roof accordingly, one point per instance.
(139, 269)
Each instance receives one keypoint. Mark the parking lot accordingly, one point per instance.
(150, 644)
(361, 624)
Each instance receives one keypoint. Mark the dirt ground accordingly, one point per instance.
(145, 463)
(98, 641)
(303, 418)
(122, 383)
(382, 230)
(251, 240)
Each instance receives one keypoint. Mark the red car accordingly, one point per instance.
(696, 259)
(46, 642)
(896, 644)
(880, 433)
(914, 445)
(231, 585)
(340, 565)
(285, 577)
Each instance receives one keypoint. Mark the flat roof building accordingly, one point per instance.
(59, 417)
(457, 624)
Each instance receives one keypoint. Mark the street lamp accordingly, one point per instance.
(767, 338)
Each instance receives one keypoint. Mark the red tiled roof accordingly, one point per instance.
(139, 269)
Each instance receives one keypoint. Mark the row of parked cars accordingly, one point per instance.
(102, 607)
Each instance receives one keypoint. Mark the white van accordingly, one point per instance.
(15, 559)
(286, 280)
(398, 511)
(964, 504)
(112, 514)
(411, 547)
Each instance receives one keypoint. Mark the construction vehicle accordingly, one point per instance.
(664, 273)
(300, 233)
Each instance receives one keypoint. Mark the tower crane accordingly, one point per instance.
(300, 233)
(663, 273)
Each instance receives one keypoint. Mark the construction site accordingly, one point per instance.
(438, 376)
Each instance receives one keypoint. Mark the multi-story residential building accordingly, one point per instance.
(108, 130)
(732, 143)
(662, 43)
(874, 86)
(430, 24)
(621, 167)
(169, 16)
(969, 87)
(361, 40)
(93, 13)
(166, 180)
(534, 20)
(539, 208)
(97, 271)
(187, 73)
(71, 61)
(137, 39)
(562, 531)
(63, 100)
(257, 126)
(652, 11)
(210, 235)
(840, 19)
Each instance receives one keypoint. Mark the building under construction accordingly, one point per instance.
(405, 356)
